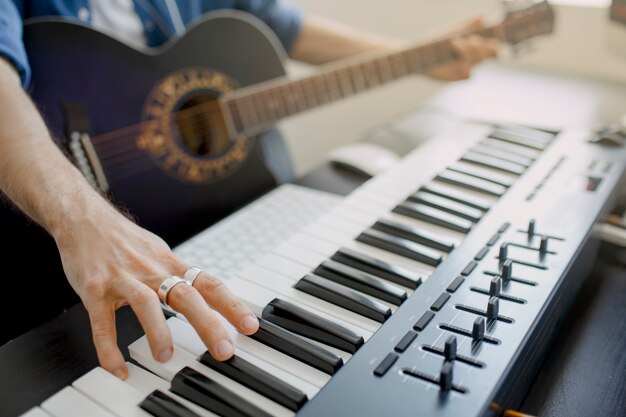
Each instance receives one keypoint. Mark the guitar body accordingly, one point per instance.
(168, 188)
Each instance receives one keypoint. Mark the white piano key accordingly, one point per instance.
(299, 255)
(313, 243)
(143, 381)
(181, 359)
(286, 267)
(260, 297)
(69, 402)
(111, 393)
(285, 362)
(35, 412)
(185, 336)
(146, 382)
(284, 289)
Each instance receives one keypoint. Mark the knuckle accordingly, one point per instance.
(184, 290)
(212, 326)
(100, 330)
(96, 287)
(211, 283)
(236, 304)
(143, 296)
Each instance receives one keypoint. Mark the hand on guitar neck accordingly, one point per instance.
(322, 41)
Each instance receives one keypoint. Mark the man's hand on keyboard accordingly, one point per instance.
(111, 262)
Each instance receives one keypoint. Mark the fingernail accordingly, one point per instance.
(224, 349)
(250, 323)
(165, 355)
(120, 373)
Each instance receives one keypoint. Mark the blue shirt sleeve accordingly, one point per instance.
(11, 44)
(284, 19)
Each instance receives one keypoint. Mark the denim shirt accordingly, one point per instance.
(158, 26)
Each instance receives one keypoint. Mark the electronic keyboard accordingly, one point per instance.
(433, 289)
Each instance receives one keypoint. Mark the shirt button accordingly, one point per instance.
(148, 24)
(83, 14)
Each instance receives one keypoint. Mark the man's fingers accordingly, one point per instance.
(226, 303)
(145, 303)
(102, 318)
(186, 300)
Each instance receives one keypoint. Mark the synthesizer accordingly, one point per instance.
(433, 289)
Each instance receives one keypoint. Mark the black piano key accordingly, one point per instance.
(303, 322)
(517, 139)
(199, 389)
(161, 405)
(415, 234)
(361, 281)
(482, 173)
(341, 296)
(448, 206)
(510, 148)
(495, 163)
(382, 269)
(434, 216)
(471, 183)
(400, 246)
(503, 155)
(292, 345)
(458, 196)
(258, 380)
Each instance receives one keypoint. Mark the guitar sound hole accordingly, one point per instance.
(198, 125)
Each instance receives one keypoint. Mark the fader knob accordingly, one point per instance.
(531, 228)
(492, 308)
(543, 246)
(507, 271)
(503, 253)
(478, 329)
(495, 286)
(449, 349)
(445, 377)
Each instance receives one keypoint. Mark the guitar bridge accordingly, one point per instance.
(83, 153)
(86, 160)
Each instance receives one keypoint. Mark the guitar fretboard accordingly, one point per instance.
(254, 109)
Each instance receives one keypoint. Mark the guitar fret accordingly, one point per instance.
(248, 113)
(290, 99)
(236, 116)
(263, 110)
(358, 79)
(311, 94)
(345, 81)
(332, 81)
(370, 78)
(385, 70)
(301, 96)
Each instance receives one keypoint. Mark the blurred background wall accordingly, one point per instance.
(579, 46)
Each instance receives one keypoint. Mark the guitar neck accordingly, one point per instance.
(256, 108)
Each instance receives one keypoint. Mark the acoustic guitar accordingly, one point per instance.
(183, 133)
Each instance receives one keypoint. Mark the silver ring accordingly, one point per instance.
(191, 274)
(167, 285)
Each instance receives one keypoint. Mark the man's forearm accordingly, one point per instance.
(322, 41)
(34, 174)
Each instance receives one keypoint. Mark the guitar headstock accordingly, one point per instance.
(524, 21)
